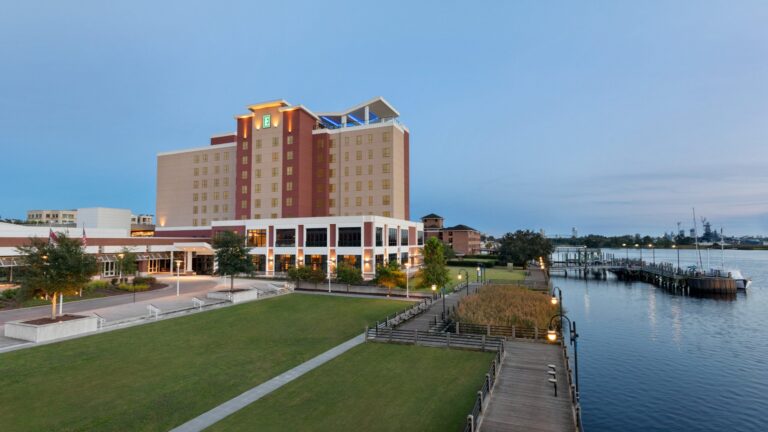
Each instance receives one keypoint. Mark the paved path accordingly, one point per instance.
(523, 399)
(236, 404)
(424, 321)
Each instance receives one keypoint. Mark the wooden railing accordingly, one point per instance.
(405, 314)
(478, 408)
(427, 338)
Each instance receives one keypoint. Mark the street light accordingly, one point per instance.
(674, 246)
(178, 276)
(330, 262)
(641, 254)
(653, 251)
(120, 278)
(626, 249)
(407, 279)
(466, 275)
(574, 337)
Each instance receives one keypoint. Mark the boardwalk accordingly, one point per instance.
(523, 399)
(426, 320)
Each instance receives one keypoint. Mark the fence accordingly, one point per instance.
(512, 332)
(473, 417)
(531, 285)
(359, 289)
(576, 404)
(448, 340)
(405, 314)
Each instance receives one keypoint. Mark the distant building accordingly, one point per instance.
(103, 217)
(55, 217)
(574, 232)
(462, 239)
(143, 219)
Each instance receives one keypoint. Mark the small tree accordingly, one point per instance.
(53, 268)
(348, 274)
(127, 263)
(521, 247)
(390, 276)
(232, 256)
(434, 271)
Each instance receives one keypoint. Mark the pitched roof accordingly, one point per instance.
(431, 216)
(459, 227)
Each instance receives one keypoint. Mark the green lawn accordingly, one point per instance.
(496, 273)
(157, 376)
(373, 387)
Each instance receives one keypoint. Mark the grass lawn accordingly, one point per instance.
(495, 273)
(373, 387)
(157, 376)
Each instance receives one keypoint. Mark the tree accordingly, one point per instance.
(390, 276)
(232, 256)
(53, 268)
(434, 271)
(348, 274)
(521, 247)
(126, 262)
(448, 252)
(306, 273)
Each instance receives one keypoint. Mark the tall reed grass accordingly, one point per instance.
(507, 305)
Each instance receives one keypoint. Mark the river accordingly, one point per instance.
(650, 360)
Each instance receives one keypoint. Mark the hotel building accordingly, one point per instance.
(285, 161)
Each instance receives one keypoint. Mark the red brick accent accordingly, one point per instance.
(332, 235)
(407, 182)
(411, 235)
(244, 134)
(128, 241)
(368, 234)
(271, 236)
(320, 168)
(298, 124)
(203, 233)
(240, 229)
(300, 228)
(225, 139)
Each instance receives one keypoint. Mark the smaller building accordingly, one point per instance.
(52, 217)
(103, 217)
(463, 239)
(142, 219)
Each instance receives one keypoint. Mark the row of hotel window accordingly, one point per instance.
(385, 200)
(385, 152)
(318, 237)
(320, 173)
(385, 136)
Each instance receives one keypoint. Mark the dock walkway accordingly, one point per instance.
(523, 398)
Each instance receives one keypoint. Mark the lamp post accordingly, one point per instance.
(330, 262)
(626, 249)
(653, 251)
(641, 254)
(674, 246)
(407, 280)
(178, 276)
(466, 275)
(574, 337)
(120, 276)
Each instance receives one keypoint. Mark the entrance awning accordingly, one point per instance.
(200, 248)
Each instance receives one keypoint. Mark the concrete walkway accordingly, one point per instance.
(231, 406)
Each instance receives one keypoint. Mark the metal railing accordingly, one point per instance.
(404, 315)
(473, 418)
(429, 338)
(511, 332)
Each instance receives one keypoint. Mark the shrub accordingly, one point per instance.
(97, 284)
(9, 294)
(144, 280)
(507, 305)
(133, 287)
(348, 274)
(305, 273)
(114, 281)
(470, 263)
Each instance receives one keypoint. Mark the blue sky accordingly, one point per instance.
(613, 117)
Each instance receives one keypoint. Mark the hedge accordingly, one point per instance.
(470, 263)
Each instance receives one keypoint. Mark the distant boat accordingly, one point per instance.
(742, 283)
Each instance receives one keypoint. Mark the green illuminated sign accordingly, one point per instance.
(266, 121)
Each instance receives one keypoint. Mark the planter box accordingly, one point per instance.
(52, 331)
(238, 296)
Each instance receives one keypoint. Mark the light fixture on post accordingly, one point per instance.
(466, 276)
(330, 263)
(408, 280)
(574, 337)
(178, 276)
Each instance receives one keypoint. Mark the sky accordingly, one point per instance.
(612, 117)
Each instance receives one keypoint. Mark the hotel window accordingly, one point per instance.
(273, 215)
(331, 173)
(205, 183)
(225, 208)
(385, 184)
(370, 138)
(196, 158)
(205, 157)
(317, 237)
(243, 190)
(258, 143)
(288, 202)
(289, 155)
(386, 168)
(194, 209)
(346, 156)
(215, 208)
(226, 181)
(386, 152)
(385, 200)
(331, 143)
(321, 158)
(379, 236)
(370, 153)
(257, 238)
(358, 186)
(403, 237)
(290, 139)
(275, 156)
(197, 171)
(392, 237)
(226, 195)
(258, 158)
(275, 141)
(205, 170)
(358, 201)
(204, 209)
(274, 187)
(216, 195)
(331, 187)
(370, 200)
(257, 187)
(274, 202)
(320, 188)
(289, 186)
(275, 171)
(245, 145)
(331, 203)
(257, 173)
(359, 155)
(420, 237)
(359, 139)
(257, 216)
(346, 171)
(216, 182)
(226, 168)
(204, 196)
(226, 156)
(216, 157)
(385, 137)
(194, 222)
(244, 175)
(243, 204)
(257, 203)
(358, 170)
(203, 221)
(194, 197)
(289, 170)
(195, 184)
(370, 185)
(285, 237)
(349, 237)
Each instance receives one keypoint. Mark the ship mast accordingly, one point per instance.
(696, 237)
